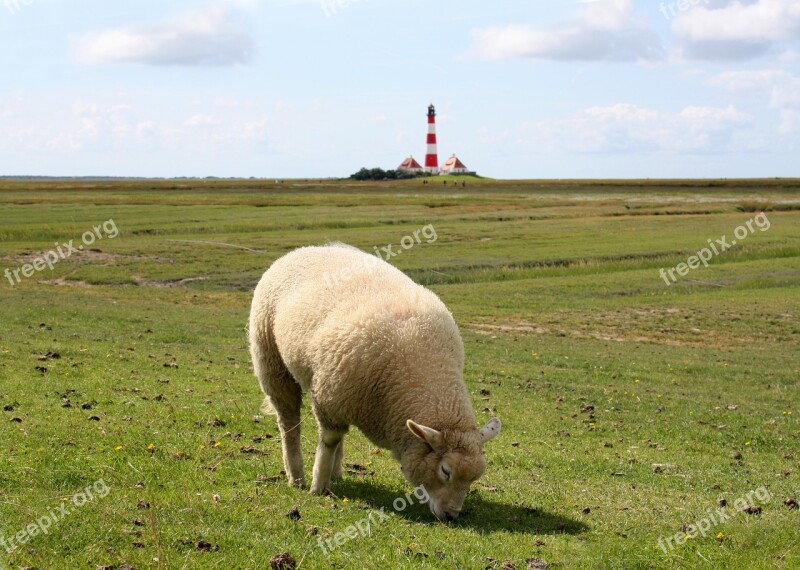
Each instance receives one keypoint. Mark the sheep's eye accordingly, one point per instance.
(446, 472)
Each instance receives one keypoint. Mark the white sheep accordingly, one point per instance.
(375, 350)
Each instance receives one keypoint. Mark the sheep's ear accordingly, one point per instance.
(431, 436)
(490, 430)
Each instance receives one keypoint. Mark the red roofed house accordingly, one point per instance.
(454, 166)
(410, 165)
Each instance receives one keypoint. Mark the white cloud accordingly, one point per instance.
(210, 36)
(628, 128)
(782, 87)
(603, 31)
(758, 21)
(737, 30)
(201, 119)
(118, 127)
(790, 57)
(745, 80)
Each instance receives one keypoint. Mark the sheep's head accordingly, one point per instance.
(446, 463)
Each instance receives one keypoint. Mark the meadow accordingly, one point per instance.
(647, 422)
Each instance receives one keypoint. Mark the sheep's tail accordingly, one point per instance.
(260, 365)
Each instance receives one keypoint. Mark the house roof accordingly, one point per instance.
(452, 163)
(410, 164)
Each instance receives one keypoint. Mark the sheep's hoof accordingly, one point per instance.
(317, 490)
(299, 483)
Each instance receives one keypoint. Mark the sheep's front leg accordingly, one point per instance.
(329, 441)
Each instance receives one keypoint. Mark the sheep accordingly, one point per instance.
(372, 349)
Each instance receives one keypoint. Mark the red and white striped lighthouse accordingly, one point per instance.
(432, 156)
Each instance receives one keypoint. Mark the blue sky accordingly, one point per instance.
(313, 88)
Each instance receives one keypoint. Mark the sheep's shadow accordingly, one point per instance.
(480, 513)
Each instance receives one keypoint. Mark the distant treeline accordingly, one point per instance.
(381, 174)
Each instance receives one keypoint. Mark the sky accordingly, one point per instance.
(320, 88)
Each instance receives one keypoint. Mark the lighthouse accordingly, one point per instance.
(432, 156)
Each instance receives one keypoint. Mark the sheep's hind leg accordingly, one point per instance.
(338, 457)
(285, 398)
(330, 441)
(289, 424)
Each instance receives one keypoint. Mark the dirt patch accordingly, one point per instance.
(138, 280)
(142, 282)
(63, 282)
(93, 255)
(666, 326)
(487, 329)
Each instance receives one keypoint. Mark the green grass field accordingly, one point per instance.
(630, 408)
